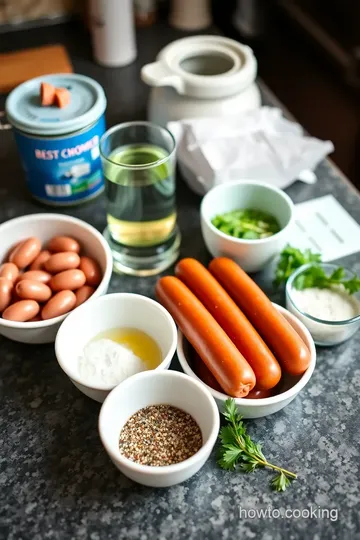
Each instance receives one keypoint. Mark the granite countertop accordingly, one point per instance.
(56, 480)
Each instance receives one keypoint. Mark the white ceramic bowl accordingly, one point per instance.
(45, 226)
(119, 310)
(289, 387)
(251, 255)
(151, 388)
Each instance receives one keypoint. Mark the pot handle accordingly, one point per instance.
(4, 124)
(157, 74)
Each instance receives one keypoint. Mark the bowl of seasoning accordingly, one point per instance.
(247, 221)
(49, 265)
(106, 341)
(159, 427)
(326, 299)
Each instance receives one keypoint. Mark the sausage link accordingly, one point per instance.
(279, 335)
(215, 348)
(231, 319)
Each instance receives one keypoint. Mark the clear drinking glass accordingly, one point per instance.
(139, 168)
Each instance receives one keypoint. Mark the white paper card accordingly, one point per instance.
(325, 227)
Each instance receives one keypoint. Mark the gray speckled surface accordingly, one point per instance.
(56, 481)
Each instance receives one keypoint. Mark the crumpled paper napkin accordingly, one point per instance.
(257, 145)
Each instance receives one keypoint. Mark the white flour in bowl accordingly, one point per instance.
(105, 362)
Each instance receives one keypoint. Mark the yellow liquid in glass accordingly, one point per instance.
(140, 343)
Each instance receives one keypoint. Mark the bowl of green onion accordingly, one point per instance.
(247, 221)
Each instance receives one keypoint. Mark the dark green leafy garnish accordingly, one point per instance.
(292, 258)
(315, 276)
(247, 224)
(238, 451)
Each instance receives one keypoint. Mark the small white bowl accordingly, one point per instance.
(251, 255)
(152, 388)
(289, 388)
(45, 226)
(119, 310)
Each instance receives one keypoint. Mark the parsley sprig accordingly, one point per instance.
(238, 451)
(315, 276)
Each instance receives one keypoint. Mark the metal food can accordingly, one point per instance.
(59, 147)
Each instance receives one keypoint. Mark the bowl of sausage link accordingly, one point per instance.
(49, 265)
(234, 339)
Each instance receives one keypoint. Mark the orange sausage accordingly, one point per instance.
(257, 393)
(26, 252)
(62, 97)
(215, 348)
(91, 270)
(21, 311)
(83, 294)
(231, 319)
(9, 271)
(204, 373)
(47, 94)
(279, 335)
(40, 260)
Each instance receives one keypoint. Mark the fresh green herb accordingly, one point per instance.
(247, 224)
(292, 258)
(239, 451)
(315, 276)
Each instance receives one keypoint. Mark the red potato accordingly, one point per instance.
(215, 348)
(279, 335)
(232, 320)
(47, 94)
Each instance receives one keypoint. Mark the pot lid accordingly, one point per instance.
(25, 112)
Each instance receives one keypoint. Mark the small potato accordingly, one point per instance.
(63, 243)
(83, 294)
(67, 280)
(9, 271)
(26, 252)
(36, 275)
(38, 263)
(64, 260)
(33, 290)
(6, 287)
(91, 270)
(60, 303)
(21, 311)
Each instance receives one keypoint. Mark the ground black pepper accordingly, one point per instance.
(160, 435)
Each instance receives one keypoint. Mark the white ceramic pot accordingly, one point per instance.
(201, 76)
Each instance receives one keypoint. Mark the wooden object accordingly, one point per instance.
(20, 66)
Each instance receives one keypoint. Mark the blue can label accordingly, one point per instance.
(63, 170)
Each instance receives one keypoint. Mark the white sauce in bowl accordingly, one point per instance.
(326, 304)
(335, 308)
